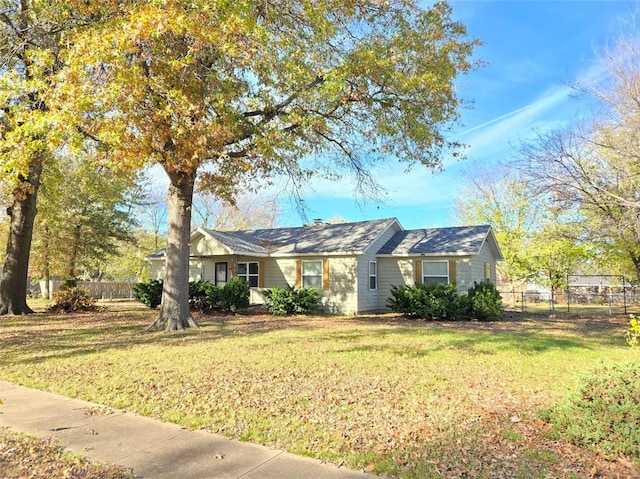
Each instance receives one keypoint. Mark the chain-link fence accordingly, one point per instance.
(603, 295)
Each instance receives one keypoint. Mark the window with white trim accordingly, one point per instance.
(487, 271)
(435, 272)
(373, 275)
(312, 274)
(249, 272)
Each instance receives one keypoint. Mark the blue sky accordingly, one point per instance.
(533, 51)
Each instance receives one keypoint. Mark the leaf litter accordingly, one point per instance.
(384, 395)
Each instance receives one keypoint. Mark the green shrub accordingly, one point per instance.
(484, 301)
(604, 413)
(430, 301)
(148, 293)
(69, 283)
(234, 295)
(400, 302)
(285, 301)
(633, 334)
(203, 296)
(71, 300)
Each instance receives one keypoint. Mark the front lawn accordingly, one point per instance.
(411, 399)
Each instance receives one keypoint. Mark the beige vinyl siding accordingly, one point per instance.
(393, 272)
(282, 274)
(195, 269)
(463, 274)
(206, 246)
(367, 300)
(341, 297)
(485, 256)
(157, 268)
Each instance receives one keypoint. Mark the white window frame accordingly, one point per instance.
(487, 271)
(248, 275)
(373, 277)
(307, 276)
(424, 275)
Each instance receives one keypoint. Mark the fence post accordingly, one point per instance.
(523, 307)
(624, 295)
(568, 293)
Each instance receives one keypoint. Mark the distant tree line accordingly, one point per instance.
(569, 201)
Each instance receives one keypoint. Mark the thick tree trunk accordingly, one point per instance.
(13, 285)
(75, 249)
(174, 309)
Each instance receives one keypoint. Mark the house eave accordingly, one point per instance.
(298, 255)
(425, 255)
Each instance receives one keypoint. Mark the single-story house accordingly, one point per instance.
(353, 264)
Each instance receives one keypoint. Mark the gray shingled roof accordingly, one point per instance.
(458, 240)
(351, 238)
(322, 238)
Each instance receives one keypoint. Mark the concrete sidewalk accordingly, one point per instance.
(154, 450)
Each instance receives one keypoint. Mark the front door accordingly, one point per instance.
(221, 274)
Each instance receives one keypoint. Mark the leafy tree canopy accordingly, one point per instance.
(254, 89)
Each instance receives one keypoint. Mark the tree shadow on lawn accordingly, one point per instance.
(582, 331)
(41, 337)
(487, 343)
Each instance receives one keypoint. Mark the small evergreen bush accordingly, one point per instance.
(285, 301)
(71, 300)
(484, 301)
(69, 283)
(148, 293)
(604, 413)
(430, 301)
(203, 296)
(234, 295)
(399, 302)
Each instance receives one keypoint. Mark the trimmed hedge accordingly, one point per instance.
(148, 293)
(285, 301)
(203, 295)
(485, 301)
(441, 301)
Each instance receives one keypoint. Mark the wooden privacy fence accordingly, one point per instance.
(96, 289)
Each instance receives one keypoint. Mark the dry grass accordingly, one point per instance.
(27, 457)
(401, 398)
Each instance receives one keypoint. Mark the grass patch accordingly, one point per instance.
(411, 399)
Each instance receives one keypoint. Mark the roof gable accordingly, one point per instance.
(457, 240)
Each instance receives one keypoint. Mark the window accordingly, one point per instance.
(221, 274)
(312, 274)
(373, 275)
(249, 272)
(487, 271)
(435, 272)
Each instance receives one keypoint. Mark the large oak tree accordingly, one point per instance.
(32, 38)
(29, 56)
(238, 91)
